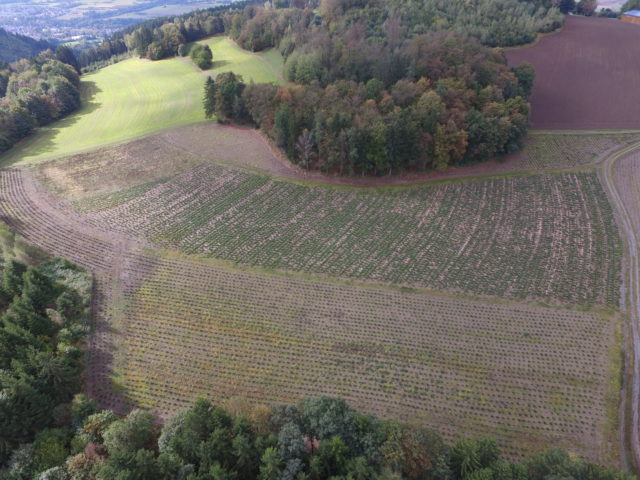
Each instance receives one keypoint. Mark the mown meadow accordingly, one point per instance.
(136, 97)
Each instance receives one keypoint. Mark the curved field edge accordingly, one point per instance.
(168, 329)
(136, 97)
(619, 175)
(162, 154)
(536, 237)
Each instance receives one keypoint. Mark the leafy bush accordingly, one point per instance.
(201, 56)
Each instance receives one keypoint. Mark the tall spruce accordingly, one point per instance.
(209, 98)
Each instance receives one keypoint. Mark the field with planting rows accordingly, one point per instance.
(522, 373)
(156, 157)
(627, 173)
(544, 152)
(546, 237)
(168, 329)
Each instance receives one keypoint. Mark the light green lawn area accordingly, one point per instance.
(136, 97)
(261, 67)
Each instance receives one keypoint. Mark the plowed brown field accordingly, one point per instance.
(587, 75)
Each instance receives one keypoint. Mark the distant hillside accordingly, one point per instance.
(14, 47)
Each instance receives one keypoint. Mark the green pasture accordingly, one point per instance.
(136, 97)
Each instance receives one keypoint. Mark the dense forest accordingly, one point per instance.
(320, 438)
(35, 92)
(378, 96)
(14, 47)
(44, 303)
(257, 26)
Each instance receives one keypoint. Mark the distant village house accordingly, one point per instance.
(632, 16)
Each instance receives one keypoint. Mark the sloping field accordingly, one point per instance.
(546, 237)
(137, 97)
(175, 150)
(169, 329)
(156, 157)
(627, 178)
(548, 152)
(586, 75)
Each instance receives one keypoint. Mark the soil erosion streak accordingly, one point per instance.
(630, 298)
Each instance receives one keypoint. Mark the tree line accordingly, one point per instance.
(160, 37)
(35, 92)
(319, 438)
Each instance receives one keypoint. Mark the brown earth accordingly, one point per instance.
(587, 75)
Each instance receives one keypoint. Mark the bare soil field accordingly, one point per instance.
(156, 157)
(168, 329)
(162, 155)
(586, 75)
(538, 237)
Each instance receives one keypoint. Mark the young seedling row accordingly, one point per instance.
(168, 330)
(546, 237)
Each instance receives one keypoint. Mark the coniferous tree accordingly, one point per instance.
(66, 55)
(209, 100)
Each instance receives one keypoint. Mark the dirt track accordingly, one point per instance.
(583, 75)
(628, 216)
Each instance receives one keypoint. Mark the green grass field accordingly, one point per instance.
(137, 97)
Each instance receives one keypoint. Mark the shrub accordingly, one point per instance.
(201, 56)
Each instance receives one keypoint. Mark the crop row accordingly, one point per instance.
(168, 330)
(194, 328)
(543, 152)
(548, 237)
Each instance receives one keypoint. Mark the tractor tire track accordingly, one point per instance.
(630, 301)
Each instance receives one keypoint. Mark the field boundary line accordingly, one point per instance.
(584, 132)
(630, 302)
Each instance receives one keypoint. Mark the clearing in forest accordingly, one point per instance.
(137, 97)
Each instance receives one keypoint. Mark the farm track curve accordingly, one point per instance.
(631, 299)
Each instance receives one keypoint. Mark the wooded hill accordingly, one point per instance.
(382, 85)
(35, 92)
(14, 47)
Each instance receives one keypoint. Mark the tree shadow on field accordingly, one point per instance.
(42, 140)
(219, 64)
